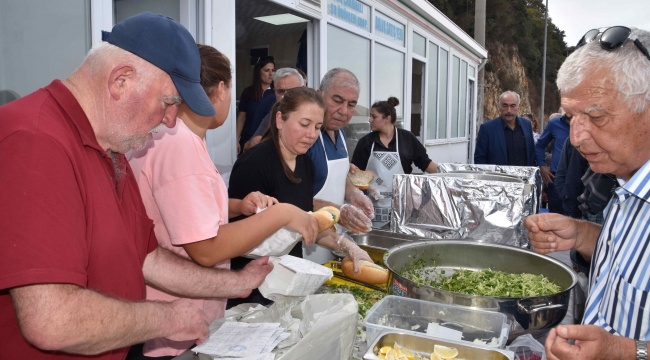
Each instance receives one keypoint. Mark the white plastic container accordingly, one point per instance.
(414, 316)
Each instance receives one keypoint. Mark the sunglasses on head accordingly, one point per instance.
(613, 38)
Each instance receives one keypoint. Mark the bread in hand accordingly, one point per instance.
(369, 272)
(327, 217)
(361, 179)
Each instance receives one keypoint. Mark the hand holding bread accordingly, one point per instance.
(361, 179)
(369, 272)
(327, 217)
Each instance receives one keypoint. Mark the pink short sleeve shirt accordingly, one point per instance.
(187, 200)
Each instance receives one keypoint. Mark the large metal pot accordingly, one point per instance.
(533, 315)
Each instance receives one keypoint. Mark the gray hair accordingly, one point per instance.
(284, 72)
(103, 55)
(629, 68)
(508, 93)
(330, 78)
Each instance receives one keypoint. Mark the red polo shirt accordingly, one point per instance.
(63, 216)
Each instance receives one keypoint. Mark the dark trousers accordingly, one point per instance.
(554, 201)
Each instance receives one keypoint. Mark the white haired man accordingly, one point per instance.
(76, 246)
(340, 90)
(283, 80)
(605, 87)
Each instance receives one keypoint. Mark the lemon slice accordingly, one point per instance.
(391, 354)
(384, 350)
(445, 352)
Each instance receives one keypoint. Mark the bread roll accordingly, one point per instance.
(369, 273)
(327, 217)
(362, 179)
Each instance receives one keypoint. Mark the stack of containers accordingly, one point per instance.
(443, 321)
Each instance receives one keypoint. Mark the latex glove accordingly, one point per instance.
(353, 251)
(354, 219)
(362, 202)
(374, 194)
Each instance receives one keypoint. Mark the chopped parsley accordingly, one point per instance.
(485, 282)
(365, 298)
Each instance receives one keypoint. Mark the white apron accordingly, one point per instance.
(333, 191)
(384, 164)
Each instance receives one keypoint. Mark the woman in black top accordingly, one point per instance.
(388, 151)
(251, 98)
(280, 167)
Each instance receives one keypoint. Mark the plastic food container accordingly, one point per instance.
(424, 346)
(412, 316)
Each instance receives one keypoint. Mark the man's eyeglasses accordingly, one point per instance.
(612, 38)
(280, 92)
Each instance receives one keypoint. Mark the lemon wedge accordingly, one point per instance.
(445, 352)
(391, 354)
(384, 350)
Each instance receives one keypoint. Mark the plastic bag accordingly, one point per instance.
(323, 327)
(526, 347)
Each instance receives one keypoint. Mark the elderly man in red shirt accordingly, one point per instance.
(76, 246)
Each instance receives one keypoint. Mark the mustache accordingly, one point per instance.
(156, 129)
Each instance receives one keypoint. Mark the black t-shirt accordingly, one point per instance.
(260, 169)
(515, 144)
(411, 150)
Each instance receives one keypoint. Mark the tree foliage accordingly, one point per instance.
(520, 23)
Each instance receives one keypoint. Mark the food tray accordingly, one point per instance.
(412, 316)
(424, 347)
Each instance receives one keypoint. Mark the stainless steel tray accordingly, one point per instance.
(424, 347)
(377, 242)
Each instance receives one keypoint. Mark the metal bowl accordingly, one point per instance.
(533, 315)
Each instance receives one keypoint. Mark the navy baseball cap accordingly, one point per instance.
(168, 45)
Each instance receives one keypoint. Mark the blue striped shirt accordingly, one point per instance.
(620, 268)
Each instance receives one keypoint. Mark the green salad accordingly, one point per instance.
(485, 282)
(365, 298)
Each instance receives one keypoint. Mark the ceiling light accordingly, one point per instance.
(281, 19)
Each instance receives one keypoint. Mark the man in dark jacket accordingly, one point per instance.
(507, 139)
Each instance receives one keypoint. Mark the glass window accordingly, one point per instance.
(472, 71)
(33, 51)
(443, 91)
(389, 76)
(352, 12)
(419, 44)
(352, 52)
(455, 77)
(128, 8)
(432, 95)
(462, 119)
(389, 29)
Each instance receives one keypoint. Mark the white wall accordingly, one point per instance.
(41, 41)
(448, 152)
(221, 35)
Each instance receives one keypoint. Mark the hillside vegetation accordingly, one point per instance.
(518, 27)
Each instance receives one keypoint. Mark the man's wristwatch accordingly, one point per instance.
(641, 350)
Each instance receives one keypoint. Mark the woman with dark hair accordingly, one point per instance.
(534, 123)
(251, 98)
(279, 166)
(382, 150)
(188, 202)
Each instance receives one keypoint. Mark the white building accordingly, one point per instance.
(401, 48)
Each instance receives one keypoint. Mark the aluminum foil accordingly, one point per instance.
(529, 174)
(445, 207)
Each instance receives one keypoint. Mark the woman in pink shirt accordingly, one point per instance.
(188, 201)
